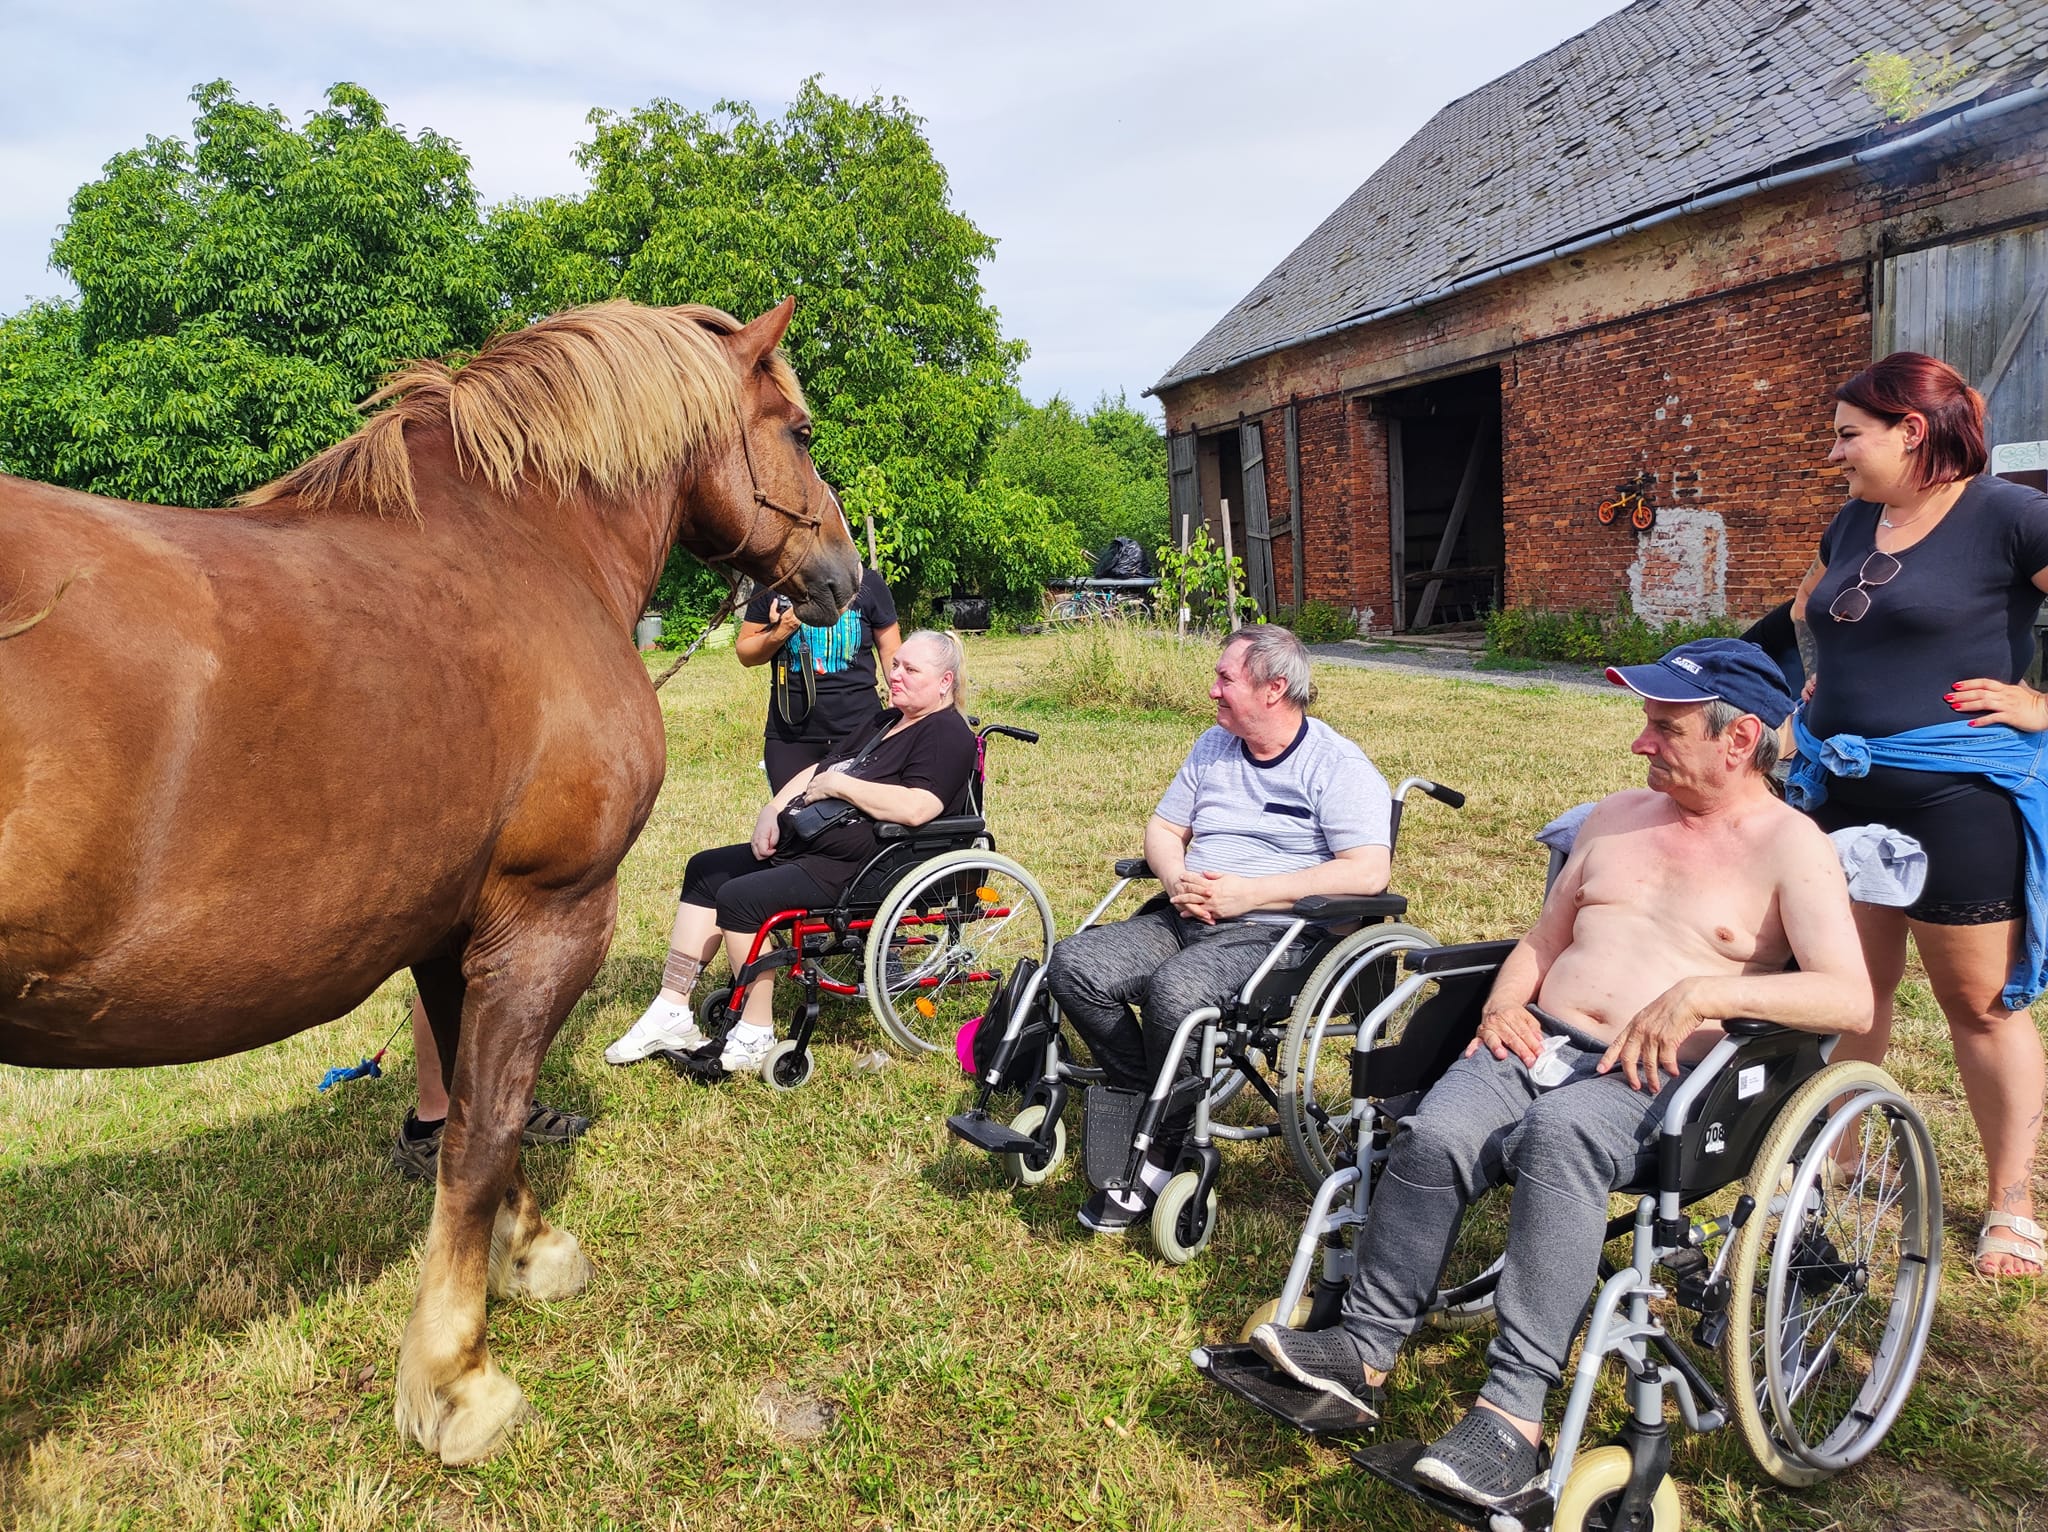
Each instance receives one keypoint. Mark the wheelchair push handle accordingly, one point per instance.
(1029, 736)
(1449, 797)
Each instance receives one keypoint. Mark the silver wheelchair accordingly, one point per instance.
(1813, 1288)
(1285, 1036)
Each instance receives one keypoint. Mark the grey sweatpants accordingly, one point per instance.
(1166, 966)
(1485, 1122)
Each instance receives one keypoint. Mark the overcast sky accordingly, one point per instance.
(1142, 164)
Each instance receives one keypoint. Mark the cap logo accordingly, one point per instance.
(1680, 662)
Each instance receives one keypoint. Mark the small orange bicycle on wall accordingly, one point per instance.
(1631, 499)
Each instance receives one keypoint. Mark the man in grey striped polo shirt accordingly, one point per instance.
(1269, 807)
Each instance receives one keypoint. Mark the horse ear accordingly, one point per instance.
(753, 342)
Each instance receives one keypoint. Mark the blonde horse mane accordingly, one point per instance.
(615, 394)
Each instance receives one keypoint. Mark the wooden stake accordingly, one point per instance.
(868, 516)
(1229, 570)
(1180, 584)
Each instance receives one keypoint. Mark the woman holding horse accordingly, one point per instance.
(912, 764)
(1916, 628)
(821, 687)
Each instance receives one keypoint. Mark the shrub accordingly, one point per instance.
(1586, 637)
(1320, 622)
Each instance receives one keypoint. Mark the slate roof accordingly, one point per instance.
(1658, 103)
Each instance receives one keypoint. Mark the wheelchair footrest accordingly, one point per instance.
(1109, 1119)
(1242, 1371)
(699, 1064)
(985, 1133)
(1394, 1463)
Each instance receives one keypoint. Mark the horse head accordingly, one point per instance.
(764, 510)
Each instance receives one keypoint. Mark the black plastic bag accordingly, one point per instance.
(1123, 559)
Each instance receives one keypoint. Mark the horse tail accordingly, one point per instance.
(16, 629)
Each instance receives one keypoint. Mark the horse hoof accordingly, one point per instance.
(553, 1266)
(477, 1414)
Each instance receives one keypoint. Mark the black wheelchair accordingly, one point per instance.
(925, 933)
(1815, 1286)
(1285, 1036)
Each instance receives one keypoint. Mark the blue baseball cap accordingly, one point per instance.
(1732, 670)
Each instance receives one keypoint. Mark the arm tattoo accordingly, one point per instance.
(1809, 655)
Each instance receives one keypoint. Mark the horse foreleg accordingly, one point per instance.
(452, 1397)
(487, 1231)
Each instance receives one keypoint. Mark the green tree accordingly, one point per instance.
(843, 204)
(238, 295)
(1105, 474)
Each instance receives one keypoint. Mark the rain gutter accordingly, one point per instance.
(1699, 204)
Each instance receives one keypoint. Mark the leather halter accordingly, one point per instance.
(806, 517)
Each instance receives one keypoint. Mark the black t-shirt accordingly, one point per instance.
(1961, 606)
(839, 660)
(936, 753)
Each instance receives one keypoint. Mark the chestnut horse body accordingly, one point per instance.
(388, 715)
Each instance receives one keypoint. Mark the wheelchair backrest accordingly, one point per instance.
(1437, 1033)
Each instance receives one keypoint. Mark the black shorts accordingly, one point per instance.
(747, 891)
(1971, 832)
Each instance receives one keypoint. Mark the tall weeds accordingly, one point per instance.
(1121, 667)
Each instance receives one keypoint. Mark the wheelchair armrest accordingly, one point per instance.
(1463, 955)
(1749, 1026)
(964, 825)
(1133, 867)
(1327, 909)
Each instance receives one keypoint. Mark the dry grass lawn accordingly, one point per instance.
(818, 1309)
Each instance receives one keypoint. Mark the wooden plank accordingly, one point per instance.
(1183, 492)
(1468, 483)
(2009, 347)
(1296, 527)
(1258, 530)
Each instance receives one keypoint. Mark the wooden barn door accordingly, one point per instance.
(1258, 524)
(1183, 494)
(1979, 305)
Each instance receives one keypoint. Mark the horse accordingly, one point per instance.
(387, 712)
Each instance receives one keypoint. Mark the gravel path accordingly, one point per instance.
(1380, 654)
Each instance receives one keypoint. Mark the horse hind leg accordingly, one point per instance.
(530, 1257)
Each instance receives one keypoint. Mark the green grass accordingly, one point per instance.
(818, 1309)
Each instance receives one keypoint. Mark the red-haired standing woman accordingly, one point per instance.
(1916, 625)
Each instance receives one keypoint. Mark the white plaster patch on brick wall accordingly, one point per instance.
(1680, 571)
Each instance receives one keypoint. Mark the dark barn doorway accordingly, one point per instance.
(1444, 493)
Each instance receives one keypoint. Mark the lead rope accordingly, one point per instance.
(738, 592)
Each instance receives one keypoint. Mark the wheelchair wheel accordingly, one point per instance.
(786, 1066)
(1181, 1228)
(945, 938)
(1833, 1278)
(1018, 1168)
(1593, 1492)
(1315, 1056)
(1269, 1313)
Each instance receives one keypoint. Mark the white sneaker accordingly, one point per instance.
(745, 1050)
(665, 1024)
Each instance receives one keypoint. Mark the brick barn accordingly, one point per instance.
(1629, 273)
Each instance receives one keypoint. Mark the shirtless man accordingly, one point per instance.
(1680, 905)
